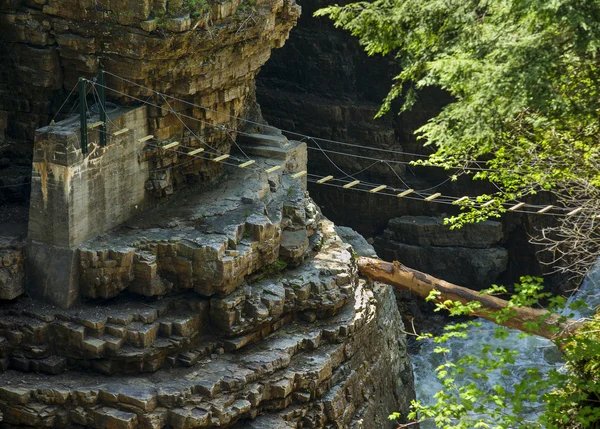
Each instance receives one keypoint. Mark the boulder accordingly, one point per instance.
(360, 245)
(431, 231)
(469, 256)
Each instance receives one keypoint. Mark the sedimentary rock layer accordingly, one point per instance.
(348, 370)
(470, 255)
(203, 52)
(234, 306)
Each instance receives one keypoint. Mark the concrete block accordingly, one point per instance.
(52, 273)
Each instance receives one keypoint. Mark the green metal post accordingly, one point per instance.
(82, 116)
(102, 96)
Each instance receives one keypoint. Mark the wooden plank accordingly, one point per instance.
(377, 189)
(351, 184)
(94, 125)
(272, 169)
(405, 193)
(299, 174)
(170, 145)
(118, 133)
(489, 203)
(221, 158)
(324, 179)
(247, 163)
(195, 151)
(545, 209)
(145, 139)
(572, 212)
(433, 197)
(516, 207)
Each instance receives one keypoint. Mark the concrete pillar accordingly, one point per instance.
(75, 197)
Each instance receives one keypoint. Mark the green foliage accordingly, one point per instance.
(246, 6)
(161, 19)
(523, 76)
(198, 8)
(394, 416)
(321, 243)
(524, 79)
(273, 269)
(279, 265)
(576, 402)
(467, 400)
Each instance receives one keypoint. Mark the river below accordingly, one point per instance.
(532, 352)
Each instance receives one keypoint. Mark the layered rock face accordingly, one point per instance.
(202, 52)
(233, 305)
(469, 256)
(319, 84)
(236, 306)
(339, 371)
(322, 84)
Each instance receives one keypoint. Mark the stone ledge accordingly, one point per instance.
(304, 372)
(209, 241)
(431, 231)
(133, 335)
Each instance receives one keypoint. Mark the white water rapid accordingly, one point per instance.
(533, 351)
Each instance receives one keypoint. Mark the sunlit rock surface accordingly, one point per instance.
(201, 313)
(202, 52)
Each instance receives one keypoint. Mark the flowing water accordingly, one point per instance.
(533, 351)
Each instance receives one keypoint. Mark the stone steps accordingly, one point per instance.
(35, 332)
(272, 140)
(298, 364)
(129, 336)
(210, 242)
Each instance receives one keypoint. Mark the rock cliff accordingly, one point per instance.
(202, 52)
(233, 306)
(322, 84)
(339, 371)
(470, 256)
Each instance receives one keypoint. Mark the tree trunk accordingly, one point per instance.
(526, 319)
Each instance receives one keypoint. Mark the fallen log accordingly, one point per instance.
(526, 319)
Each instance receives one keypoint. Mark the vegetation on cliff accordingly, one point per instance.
(524, 76)
(524, 79)
(571, 395)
